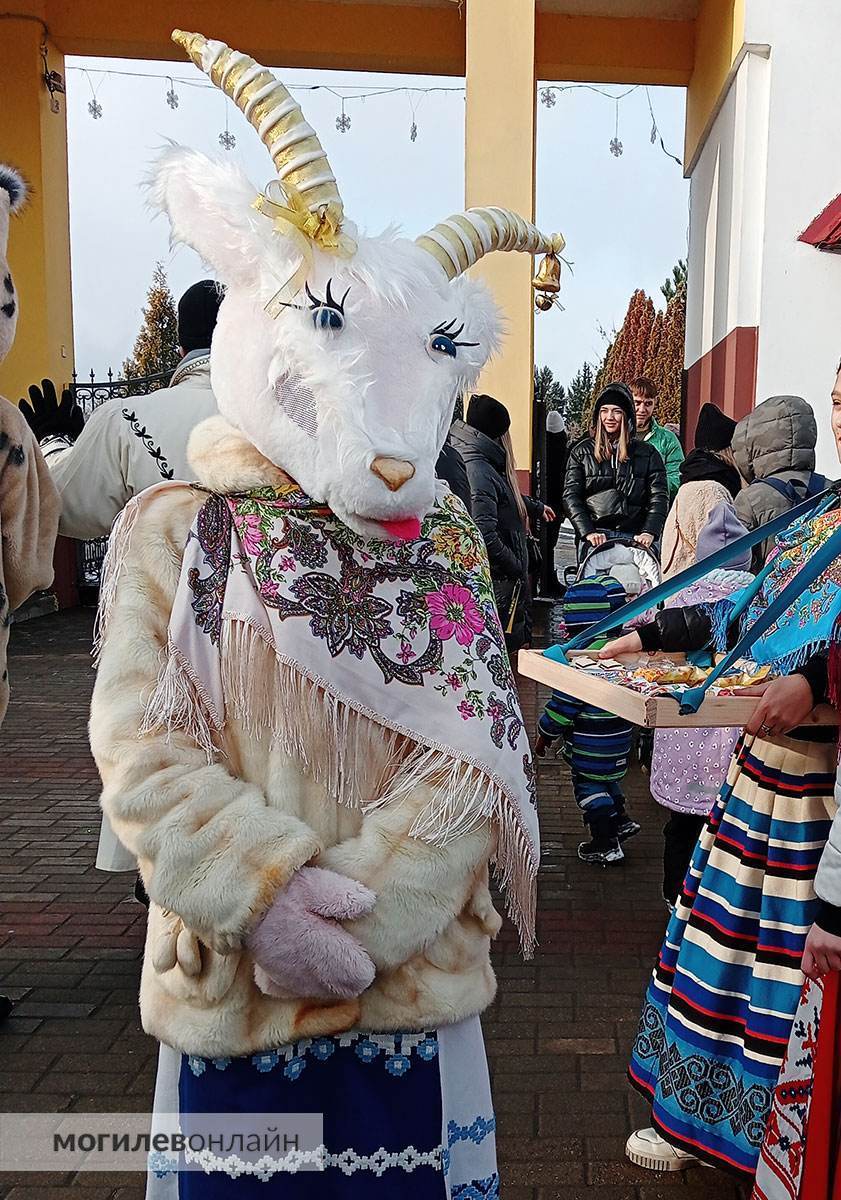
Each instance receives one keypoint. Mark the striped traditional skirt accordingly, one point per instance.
(722, 998)
(405, 1115)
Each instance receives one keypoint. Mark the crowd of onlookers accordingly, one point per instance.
(640, 510)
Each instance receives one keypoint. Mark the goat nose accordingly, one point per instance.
(394, 472)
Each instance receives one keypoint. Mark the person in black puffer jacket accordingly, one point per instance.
(495, 509)
(614, 483)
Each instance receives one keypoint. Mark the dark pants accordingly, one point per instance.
(602, 805)
(680, 834)
(550, 583)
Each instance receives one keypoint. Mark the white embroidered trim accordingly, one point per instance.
(348, 1161)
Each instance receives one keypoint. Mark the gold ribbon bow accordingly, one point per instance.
(304, 229)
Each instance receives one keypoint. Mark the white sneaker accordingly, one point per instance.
(645, 1148)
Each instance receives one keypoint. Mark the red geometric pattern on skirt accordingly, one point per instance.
(780, 1169)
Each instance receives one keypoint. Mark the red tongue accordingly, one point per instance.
(404, 530)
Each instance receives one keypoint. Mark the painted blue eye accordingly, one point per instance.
(443, 344)
(328, 318)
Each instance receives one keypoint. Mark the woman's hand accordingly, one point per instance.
(549, 514)
(631, 643)
(596, 539)
(645, 539)
(821, 954)
(785, 703)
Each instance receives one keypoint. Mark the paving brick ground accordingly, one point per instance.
(70, 945)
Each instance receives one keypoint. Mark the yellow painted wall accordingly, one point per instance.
(34, 139)
(351, 37)
(499, 169)
(720, 31)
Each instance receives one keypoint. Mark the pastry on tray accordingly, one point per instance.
(667, 673)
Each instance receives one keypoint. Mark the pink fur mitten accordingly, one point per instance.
(299, 947)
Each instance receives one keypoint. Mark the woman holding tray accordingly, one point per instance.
(723, 995)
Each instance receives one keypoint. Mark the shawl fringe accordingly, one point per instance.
(118, 544)
(348, 751)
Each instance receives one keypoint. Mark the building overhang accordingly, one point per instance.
(824, 233)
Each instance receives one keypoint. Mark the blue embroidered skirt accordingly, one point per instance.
(405, 1115)
(722, 998)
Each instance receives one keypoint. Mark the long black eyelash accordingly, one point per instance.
(341, 304)
(445, 329)
(330, 302)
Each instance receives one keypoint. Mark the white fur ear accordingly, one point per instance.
(210, 207)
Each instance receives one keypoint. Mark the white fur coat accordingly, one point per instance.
(215, 841)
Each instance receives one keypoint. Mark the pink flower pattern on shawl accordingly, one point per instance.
(453, 613)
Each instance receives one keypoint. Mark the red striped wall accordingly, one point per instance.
(726, 376)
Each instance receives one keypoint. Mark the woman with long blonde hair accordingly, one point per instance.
(615, 484)
(503, 514)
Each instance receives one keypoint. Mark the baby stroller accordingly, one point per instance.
(637, 568)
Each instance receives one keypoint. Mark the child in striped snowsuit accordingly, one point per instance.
(596, 744)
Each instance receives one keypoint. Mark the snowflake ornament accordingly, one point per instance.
(95, 108)
(343, 122)
(616, 147)
(548, 97)
(227, 140)
(413, 132)
(172, 98)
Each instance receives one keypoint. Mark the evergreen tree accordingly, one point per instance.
(676, 280)
(671, 357)
(626, 355)
(156, 346)
(548, 391)
(651, 343)
(579, 402)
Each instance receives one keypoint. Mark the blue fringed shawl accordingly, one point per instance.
(808, 626)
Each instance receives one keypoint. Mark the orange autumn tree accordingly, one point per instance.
(651, 342)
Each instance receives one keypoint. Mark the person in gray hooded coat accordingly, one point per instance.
(774, 449)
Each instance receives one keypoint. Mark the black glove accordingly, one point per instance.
(46, 416)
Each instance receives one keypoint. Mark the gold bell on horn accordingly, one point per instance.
(547, 282)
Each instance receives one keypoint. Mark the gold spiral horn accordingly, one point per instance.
(459, 242)
(299, 158)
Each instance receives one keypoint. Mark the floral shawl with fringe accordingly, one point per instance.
(379, 666)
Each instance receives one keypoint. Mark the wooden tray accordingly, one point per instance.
(649, 711)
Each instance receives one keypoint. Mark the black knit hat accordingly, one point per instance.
(197, 312)
(619, 395)
(488, 416)
(706, 464)
(714, 430)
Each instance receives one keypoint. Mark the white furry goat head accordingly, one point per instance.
(339, 357)
(12, 199)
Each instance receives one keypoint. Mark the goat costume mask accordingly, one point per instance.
(316, 778)
(351, 387)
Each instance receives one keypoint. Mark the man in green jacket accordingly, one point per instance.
(648, 430)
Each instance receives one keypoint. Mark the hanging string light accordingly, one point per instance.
(343, 121)
(94, 107)
(547, 95)
(616, 147)
(226, 139)
(655, 131)
(414, 105)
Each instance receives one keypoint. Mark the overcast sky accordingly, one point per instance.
(625, 219)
